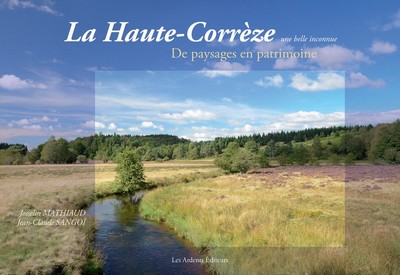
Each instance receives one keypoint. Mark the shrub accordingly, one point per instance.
(130, 173)
(235, 159)
(301, 155)
(284, 160)
(390, 155)
(350, 158)
(244, 160)
(82, 159)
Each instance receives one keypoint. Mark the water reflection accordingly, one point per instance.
(132, 245)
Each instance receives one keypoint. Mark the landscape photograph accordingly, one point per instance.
(161, 137)
(206, 175)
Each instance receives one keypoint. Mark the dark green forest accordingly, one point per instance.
(341, 144)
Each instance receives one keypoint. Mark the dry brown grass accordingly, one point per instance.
(43, 249)
(373, 222)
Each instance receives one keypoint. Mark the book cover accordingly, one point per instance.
(211, 137)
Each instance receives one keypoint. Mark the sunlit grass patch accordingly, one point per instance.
(253, 211)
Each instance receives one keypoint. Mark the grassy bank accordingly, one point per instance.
(64, 249)
(45, 249)
(290, 220)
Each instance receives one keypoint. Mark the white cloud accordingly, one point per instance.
(99, 125)
(27, 121)
(112, 126)
(356, 80)
(35, 127)
(290, 121)
(288, 63)
(147, 124)
(150, 124)
(394, 23)
(89, 124)
(42, 119)
(139, 117)
(190, 114)
(134, 129)
(147, 108)
(13, 82)
(44, 6)
(284, 122)
(200, 135)
(203, 133)
(331, 57)
(334, 57)
(324, 81)
(245, 130)
(382, 47)
(270, 81)
(225, 68)
(61, 92)
(305, 119)
(140, 102)
(227, 99)
(21, 122)
(94, 124)
(313, 116)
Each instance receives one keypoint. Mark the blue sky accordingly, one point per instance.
(49, 87)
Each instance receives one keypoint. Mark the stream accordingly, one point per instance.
(132, 245)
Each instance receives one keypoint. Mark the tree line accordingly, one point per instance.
(380, 144)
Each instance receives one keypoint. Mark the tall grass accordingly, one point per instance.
(45, 249)
(289, 225)
(230, 211)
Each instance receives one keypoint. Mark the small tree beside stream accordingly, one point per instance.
(130, 173)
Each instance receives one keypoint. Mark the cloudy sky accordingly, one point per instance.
(49, 87)
(203, 105)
